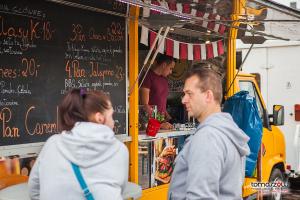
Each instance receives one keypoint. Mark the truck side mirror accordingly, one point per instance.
(278, 115)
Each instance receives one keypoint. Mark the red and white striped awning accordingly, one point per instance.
(208, 19)
(183, 50)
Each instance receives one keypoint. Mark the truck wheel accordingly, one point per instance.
(276, 175)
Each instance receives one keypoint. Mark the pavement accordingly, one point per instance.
(294, 193)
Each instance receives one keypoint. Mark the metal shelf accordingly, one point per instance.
(164, 134)
(124, 138)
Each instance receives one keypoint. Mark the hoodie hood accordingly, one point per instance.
(88, 144)
(225, 124)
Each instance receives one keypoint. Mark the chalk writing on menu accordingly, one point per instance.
(110, 5)
(46, 49)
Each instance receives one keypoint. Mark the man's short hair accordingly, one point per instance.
(161, 58)
(208, 80)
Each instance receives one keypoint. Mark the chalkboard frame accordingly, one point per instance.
(32, 149)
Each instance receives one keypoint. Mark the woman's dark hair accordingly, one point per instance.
(78, 105)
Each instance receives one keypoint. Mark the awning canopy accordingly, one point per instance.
(273, 20)
(197, 20)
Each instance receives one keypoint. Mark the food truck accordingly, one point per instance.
(50, 47)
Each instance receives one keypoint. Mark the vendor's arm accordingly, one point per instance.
(166, 126)
(144, 98)
(144, 95)
(168, 116)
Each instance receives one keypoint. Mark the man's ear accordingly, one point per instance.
(99, 118)
(209, 96)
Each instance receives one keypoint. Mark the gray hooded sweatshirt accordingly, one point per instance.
(211, 165)
(102, 159)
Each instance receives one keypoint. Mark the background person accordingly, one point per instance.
(155, 88)
(211, 164)
(87, 141)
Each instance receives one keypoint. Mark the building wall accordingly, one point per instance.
(287, 2)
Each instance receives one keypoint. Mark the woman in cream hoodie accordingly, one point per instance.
(87, 141)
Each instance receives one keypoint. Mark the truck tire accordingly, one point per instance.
(276, 175)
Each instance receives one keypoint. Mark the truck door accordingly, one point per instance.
(247, 84)
(250, 87)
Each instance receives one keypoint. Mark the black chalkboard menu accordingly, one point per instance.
(45, 50)
(107, 5)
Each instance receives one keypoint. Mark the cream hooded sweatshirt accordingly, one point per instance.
(102, 159)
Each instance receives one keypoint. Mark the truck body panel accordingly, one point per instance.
(278, 64)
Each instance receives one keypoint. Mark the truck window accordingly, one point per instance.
(250, 87)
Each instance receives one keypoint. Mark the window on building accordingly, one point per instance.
(293, 4)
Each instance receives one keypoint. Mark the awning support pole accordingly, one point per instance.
(146, 59)
(155, 54)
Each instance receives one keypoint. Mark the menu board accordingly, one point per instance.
(46, 49)
(108, 5)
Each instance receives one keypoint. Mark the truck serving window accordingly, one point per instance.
(250, 87)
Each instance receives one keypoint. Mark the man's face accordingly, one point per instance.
(168, 68)
(194, 99)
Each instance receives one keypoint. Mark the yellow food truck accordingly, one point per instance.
(49, 47)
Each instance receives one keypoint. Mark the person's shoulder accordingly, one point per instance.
(208, 134)
(206, 130)
(50, 143)
(122, 148)
(150, 74)
(149, 79)
(52, 139)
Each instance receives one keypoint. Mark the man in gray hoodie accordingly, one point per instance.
(211, 165)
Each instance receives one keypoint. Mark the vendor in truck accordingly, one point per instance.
(155, 89)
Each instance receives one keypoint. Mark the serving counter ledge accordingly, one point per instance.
(164, 134)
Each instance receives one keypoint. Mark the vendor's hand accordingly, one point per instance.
(166, 126)
(168, 116)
